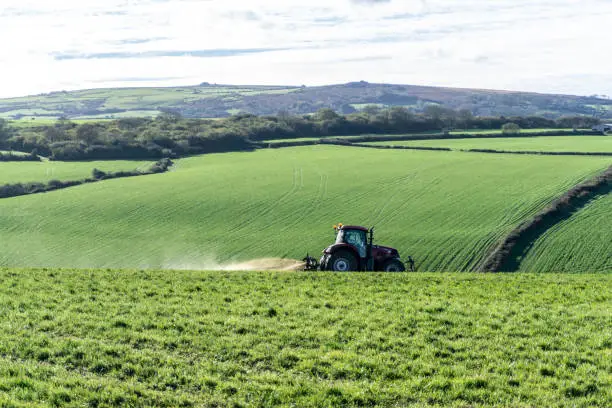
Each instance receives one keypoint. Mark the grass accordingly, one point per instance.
(23, 172)
(13, 152)
(538, 143)
(298, 139)
(446, 209)
(538, 130)
(471, 131)
(95, 338)
(580, 243)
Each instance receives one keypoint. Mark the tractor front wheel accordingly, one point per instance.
(342, 261)
(394, 265)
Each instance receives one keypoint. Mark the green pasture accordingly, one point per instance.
(446, 209)
(537, 143)
(179, 339)
(473, 132)
(537, 130)
(14, 152)
(23, 172)
(301, 139)
(580, 243)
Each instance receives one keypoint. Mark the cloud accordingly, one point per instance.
(370, 1)
(155, 54)
(515, 44)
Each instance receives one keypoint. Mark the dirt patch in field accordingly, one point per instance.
(262, 264)
(265, 264)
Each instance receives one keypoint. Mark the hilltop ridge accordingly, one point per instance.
(212, 101)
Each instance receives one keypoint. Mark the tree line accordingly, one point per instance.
(171, 135)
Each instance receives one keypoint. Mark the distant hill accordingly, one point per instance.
(213, 101)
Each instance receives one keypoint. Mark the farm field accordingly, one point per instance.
(14, 152)
(538, 130)
(446, 209)
(583, 239)
(130, 338)
(593, 144)
(471, 131)
(24, 172)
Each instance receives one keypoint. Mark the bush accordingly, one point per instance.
(511, 129)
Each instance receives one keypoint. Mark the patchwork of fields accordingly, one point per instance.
(446, 209)
(592, 144)
(120, 102)
(94, 338)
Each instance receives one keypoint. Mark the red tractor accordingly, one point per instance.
(354, 251)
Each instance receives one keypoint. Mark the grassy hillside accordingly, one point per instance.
(581, 243)
(538, 143)
(445, 209)
(93, 338)
(23, 172)
(222, 100)
(123, 102)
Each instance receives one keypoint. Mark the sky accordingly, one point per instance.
(556, 46)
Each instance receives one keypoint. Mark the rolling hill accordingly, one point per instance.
(211, 101)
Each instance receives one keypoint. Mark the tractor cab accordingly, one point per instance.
(354, 236)
(354, 250)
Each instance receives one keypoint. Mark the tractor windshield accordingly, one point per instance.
(356, 238)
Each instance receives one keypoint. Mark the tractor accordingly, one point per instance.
(354, 250)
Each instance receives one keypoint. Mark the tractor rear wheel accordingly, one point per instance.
(394, 265)
(342, 261)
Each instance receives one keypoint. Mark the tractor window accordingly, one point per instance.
(355, 238)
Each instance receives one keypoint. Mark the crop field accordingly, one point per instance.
(538, 130)
(474, 132)
(582, 242)
(23, 172)
(13, 152)
(110, 338)
(592, 144)
(446, 209)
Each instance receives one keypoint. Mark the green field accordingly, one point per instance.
(23, 172)
(447, 209)
(538, 130)
(581, 243)
(94, 338)
(14, 152)
(474, 132)
(538, 143)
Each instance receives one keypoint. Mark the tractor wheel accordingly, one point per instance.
(394, 265)
(342, 261)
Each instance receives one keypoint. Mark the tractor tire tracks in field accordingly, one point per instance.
(508, 254)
